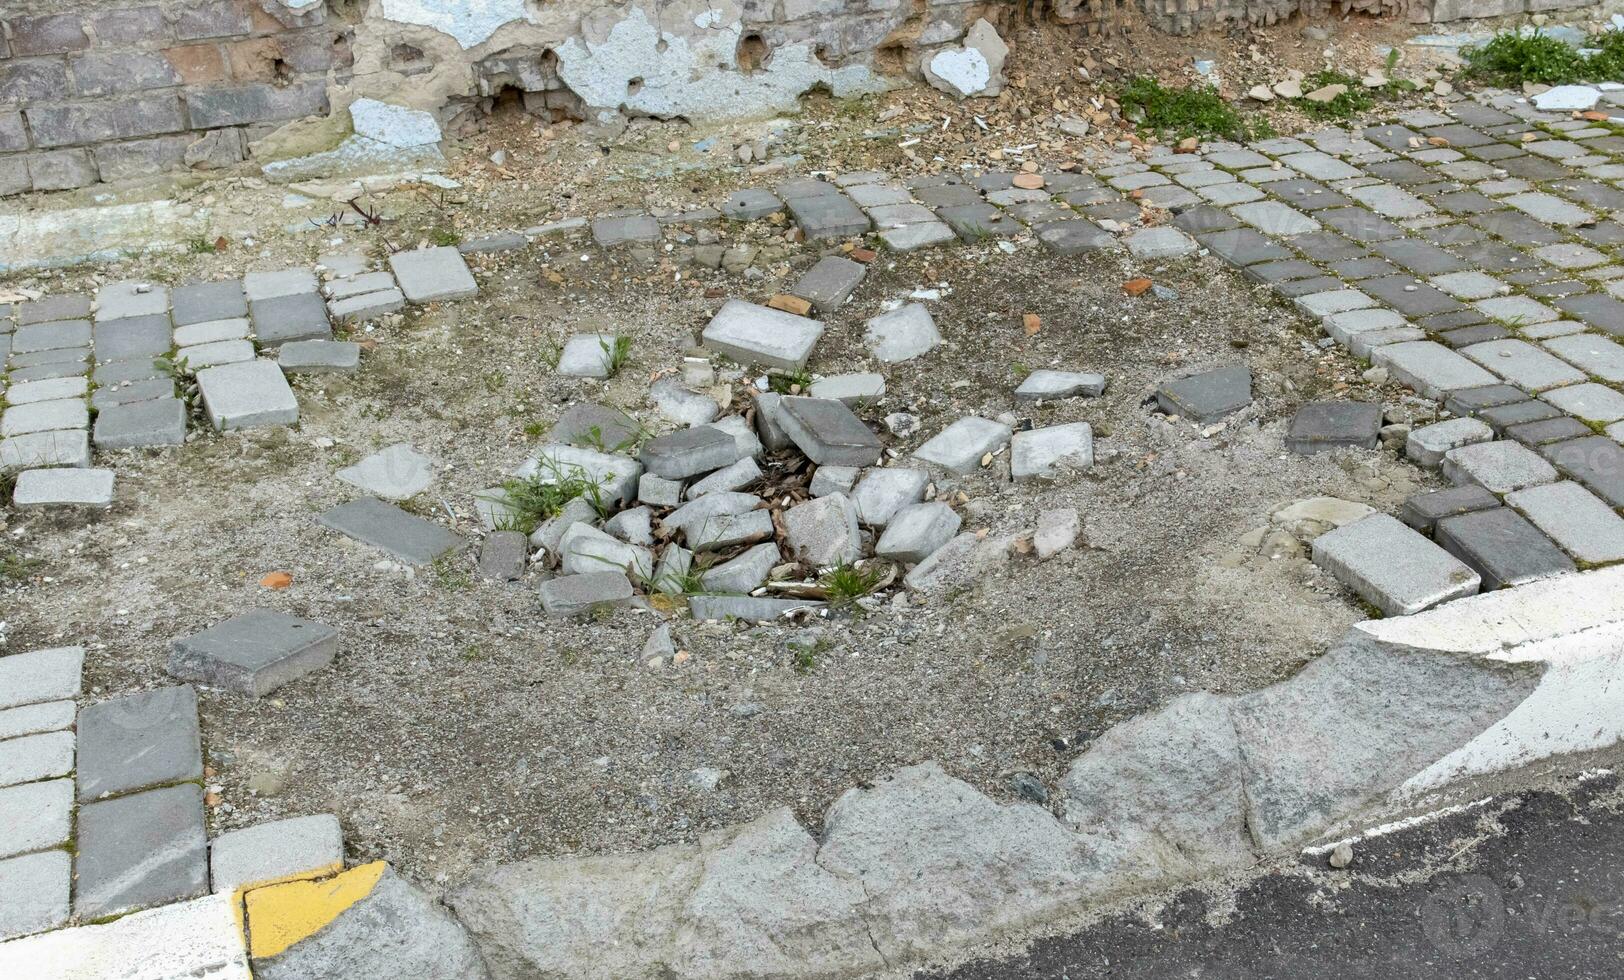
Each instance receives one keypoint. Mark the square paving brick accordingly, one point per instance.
(206, 302)
(1423, 511)
(1524, 365)
(1209, 396)
(139, 740)
(247, 395)
(279, 850)
(1392, 566)
(139, 851)
(34, 893)
(1498, 467)
(405, 536)
(132, 337)
(1502, 547)
(754, 334)
(254, 653)
(830, 215)
(830, 282)
(1579, 521)
(688, 452)
(47, 755)
(301, 316)
(431, 274)
(828, 432)
(156, 422)
(961, 446)
(40, 675)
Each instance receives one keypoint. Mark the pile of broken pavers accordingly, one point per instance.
(746, 514)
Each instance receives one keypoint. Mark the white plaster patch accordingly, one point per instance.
(470, 22)
(965, 69)
(1567, 98)
(393, 125)
(37, 239)
(696, 76)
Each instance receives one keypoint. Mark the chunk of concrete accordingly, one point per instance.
(394, 473)
(823, 532)
(1051, 451)
(1054, 385)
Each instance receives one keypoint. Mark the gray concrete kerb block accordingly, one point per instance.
(254, 653)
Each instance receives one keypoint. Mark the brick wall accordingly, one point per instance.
(111, 90)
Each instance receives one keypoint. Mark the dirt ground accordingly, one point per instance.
(460, 725)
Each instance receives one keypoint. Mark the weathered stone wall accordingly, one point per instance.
(107, 91)
(113, 89)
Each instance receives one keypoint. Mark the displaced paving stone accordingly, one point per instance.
(280, 850)
(747, 609)
(583, 549)
(1502, 546)
(220, 352)
(1044, 385)
(751, 204)
(1160, 242)
(735, 477)
(678, 404)
(158, 422)
(1575, 519)
(1209, 396)
(44, 449)
(1056, 531)
(578, 595)
(615, 477)
(139, 740)
(1326, 426)
(247, 395)
(823, 532)
(850, 389)
(395, 473)
(587, 356)
(1049, 452)
(827, 432)
(301, 316)
(596, 426)
(917, 531)
(33, 894)
(550, 533)
(40, 675)
(626, 229)
(139, 851)
(1429, 368)
(912, 237)
(405, 536)
(254, 653)
(833, 479)
(729, 530)
(366, 306)
(755, 334)
(688, 452)
(1422, 511)
(1392, 567)
(432, 274)
(882, 492)
(657, 491)
(319, 357)
(503, 555)
(744, 573)
(63, 488)
(633, 526)
(1427, 445)
(1498, 467)
(35, 757)
(902, 334)
(829, 283)
(961, 446)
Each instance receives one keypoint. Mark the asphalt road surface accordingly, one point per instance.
(1527, 887)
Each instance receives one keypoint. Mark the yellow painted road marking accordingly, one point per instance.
(281, 915)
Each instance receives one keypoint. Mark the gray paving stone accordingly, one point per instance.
(34, 893)
(431, 274)
(1591, 402)
(36, 815)
(1596, 461)
(1243, 247)
(1576, 519)
(881, 492)
(140, 851)
(119, 300)
(1050, 452)
(1344, 326)
(587, 355)
(139, 740)
(395, 473)
(583, 549)
(754, 334)
(1516, 310)
(47, 358)
(1411, 298)
(1275, 219)
(579, 595)
(64, 306)
(831, 215)
(1359, 224)
(735, 477)
(281, 282)
(247, 395)
(751, 204)
(917, 531)
(31, 719)
(319, 357)
(1161, 242)
(34, 757)
(367, 306)
(1420, 258)
(63, 488)
(1325, 426)
(208, 301)
(158, 422)
(822, 532)
(1544, 431)
(300, 316)
(51, 336)
(1549, 209)
(829, 283)
(201, 356)
(1594, 355)
(40, 675)
(279, 850)
(1427, 445)
(961, 446)
(688, 452)
(743, 573)
(1392, 566)
(1470, 401)
(1045, 385)
(850, 389)
(1602, 312)
(902, 334)
(1208, 396)
(1227, 194)
(901, 215)
(878, 195)
(910, 238)
(627, 229)
(1499, 467)
(1389, 201)
(614, 476)
(60, 447)
(1502, 547)
(1422, 511)
(122, 372)
(1205, 220)
(503, 556)
(49, 390)
(597, 426)
(253, 653)
(1363, 344)
(833, 479)
(1429, 368)
(550, 533)
(828, 432)
(63, 413)
(1502, 417)
(405, 536)
(1332, 302)
(748, 609)
(141, 336)
(1524, 365)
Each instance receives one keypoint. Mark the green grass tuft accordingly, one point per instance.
(1345, 106)
(526, 502)
(1193, 111)
(846, 584)
(1512, 58)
